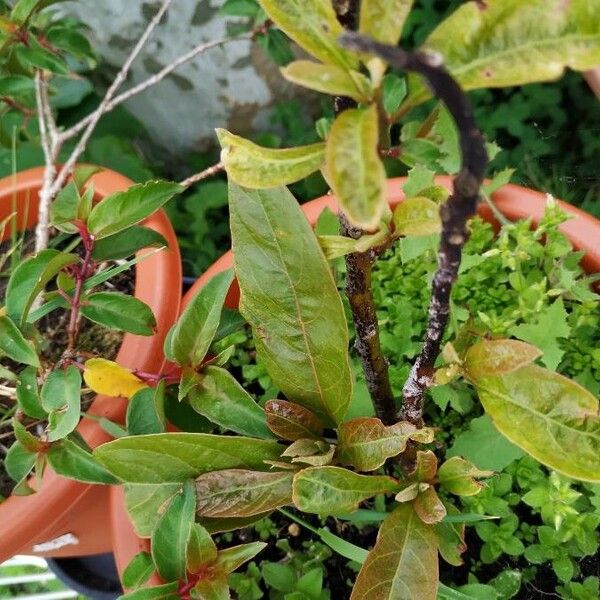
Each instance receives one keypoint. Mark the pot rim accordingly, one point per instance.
(26, 520)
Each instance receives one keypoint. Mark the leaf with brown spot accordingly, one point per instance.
(291, 421)
(495, 357)
(429, 507)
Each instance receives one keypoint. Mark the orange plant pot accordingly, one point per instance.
(66, 517)
(514, 201)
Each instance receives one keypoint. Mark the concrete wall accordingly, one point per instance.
(230, 86)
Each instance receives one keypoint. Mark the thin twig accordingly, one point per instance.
(209, 172)
(153, 80)
(454, 213)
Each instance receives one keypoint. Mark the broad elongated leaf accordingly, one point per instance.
(123, 209)
(28, 395)
(366, 443)
(459, 476)
(293, 306)
(509, 42)
(329, 79)
(241, 492)
(145, 411)
(64, 208)
(222, 400)
(60, 397)
(127, 242)
(232, 558)
(201, 549)
(256, 167)
(333, 490)
(138, 571)
(496, 357)
(175, 457)
(70, 460)
(170, 538)
(14, 345)
(146, 503)
(353, 167)
(429, 507)
(551, 417)
(196, 328)
(30, 277)
(403, 565)
(167, 591)
(383, 20)
(19, 462)
(313, 25)
(417, 216)
(111, 379)
(291, 421)
(116, 310)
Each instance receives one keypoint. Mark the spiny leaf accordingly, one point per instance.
(551, 417)
(353, 167)
(111, 379)
(333, 490)
(256, 167)
(403, 565)
(241, 492)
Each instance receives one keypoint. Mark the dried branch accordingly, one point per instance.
(209, 172)
(455, 213)
(153, 80)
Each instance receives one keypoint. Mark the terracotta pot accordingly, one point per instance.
(65, 517)
(514, 201)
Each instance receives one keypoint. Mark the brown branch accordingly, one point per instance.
(455, 213)
(208, 172)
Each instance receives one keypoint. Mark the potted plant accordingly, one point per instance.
(302, 449)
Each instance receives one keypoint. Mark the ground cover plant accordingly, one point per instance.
(306, 449)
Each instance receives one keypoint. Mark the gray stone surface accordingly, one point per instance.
(230, 86)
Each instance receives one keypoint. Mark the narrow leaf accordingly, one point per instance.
(333, 490)
(222, 400)
(241, 493)
(138, 571)
(551, 417)
(403, 564)
(353, 167)
(256, 167)
(294, 307)
(170, 538)
(232, 558)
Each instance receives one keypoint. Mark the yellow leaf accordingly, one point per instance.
(108, 378)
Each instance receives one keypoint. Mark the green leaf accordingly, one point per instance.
(230, 523)
(19, 462)
(232, 558)
(333, 490)
(196, 328)
(146, 503)
(343, 547)
(60, 397)
(138, 571)
(366, 443)
(170, 538)
(329, 79)
(419, 179)
(383, 20)
(510, 42)
(127, 242)
(417, 216)
(27, 440)
(14, 345)
(23, 10)
(70, 460)
(64, 208)
(213, 588)
(451, 536)
(201, 549)
(167, 591)
(294, 307)
(83, 173)
(175, 457)
(241, 492)
(550, 326)
(354, 169)
(497, 357)
(28, 395)
(485, 446)
(291, 421)
(394, 91)
(459, 476)
(313, 25)
(403, 564)
(116, 310)
(124, 209)
(16, 85)
(40, 58)
(256, 167)
(552, 418)
(222, 400)
(145, 411)
(30, 277)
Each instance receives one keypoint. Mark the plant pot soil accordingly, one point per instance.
(65, 517)
(513, 201)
